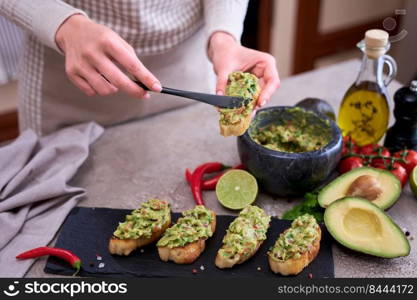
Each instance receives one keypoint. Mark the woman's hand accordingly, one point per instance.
(91, 53)
(228, 56)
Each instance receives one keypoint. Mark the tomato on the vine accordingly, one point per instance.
(349, 163)
(410, 157)
(397, 170)
(349, 146)
(374, 149)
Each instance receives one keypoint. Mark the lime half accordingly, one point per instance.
(236, 189)
(413, 181)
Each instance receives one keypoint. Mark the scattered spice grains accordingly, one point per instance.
(310, 275)
(407, 233)
(99, 257)
(141, 250)
(202, 268)
(194, 271)
(101, 265)
(258, 268)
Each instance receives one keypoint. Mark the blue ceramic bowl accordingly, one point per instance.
(282, 173)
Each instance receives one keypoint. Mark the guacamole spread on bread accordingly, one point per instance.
(142, 222)
(296, 240)
(301, 133)
(245, 232)
(194, 224)
(243, 85)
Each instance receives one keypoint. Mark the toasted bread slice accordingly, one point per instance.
(142, 227)
(244, 237)
(224, 263)
(293, 266)
(240, 84)
(186, 254)
(238, 128)
(126, 246)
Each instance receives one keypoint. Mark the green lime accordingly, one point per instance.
(413, 181)
(236, 189)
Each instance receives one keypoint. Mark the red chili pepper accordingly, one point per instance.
(210, 184)
(197, 177)
(66, 255)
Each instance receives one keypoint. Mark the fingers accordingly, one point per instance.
(117, 78)
(271, 81)
(222, 78)
(133, 65)
(97, 81)
(83, 85)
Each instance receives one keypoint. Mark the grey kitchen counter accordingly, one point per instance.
(134, 161)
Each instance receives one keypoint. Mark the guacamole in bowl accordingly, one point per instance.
(289, 150)
(302, 131)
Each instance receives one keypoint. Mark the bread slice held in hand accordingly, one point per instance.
(186, 240)
(141, 227)
(296, 247)
(243, 237)
(235, 121)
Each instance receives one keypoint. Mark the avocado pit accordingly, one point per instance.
(365, 186)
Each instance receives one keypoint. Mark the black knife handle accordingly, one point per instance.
(141, 85)
(219, 101)
(191, 95)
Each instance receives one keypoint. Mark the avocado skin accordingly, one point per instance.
(333, 184)
(318, 106)
(385, 217)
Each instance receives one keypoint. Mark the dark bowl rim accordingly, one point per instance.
(336, 136)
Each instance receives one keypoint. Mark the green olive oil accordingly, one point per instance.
(364, 111)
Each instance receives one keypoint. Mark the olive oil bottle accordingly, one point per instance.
(364, 112)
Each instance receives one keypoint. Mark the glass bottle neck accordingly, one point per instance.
(371, 71)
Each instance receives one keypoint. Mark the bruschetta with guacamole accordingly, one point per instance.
(243, 237)
(185, 240)
(141, 227)
(235, 121)
(296, 247)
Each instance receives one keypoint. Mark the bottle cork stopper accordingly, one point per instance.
(376, 42)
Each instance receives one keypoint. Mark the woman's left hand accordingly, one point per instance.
(228, 56)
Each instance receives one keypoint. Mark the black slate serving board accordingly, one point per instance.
(86, 232)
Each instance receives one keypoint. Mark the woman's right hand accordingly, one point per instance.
(91, 53)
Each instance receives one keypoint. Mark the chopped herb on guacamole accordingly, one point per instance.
(296, 239)
(142, 222)
(302, 133)
(243, 85)
(192, 226)
(245, 232)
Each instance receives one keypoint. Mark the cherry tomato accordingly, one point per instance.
(380, 162)
(410, 157)
(349, 163)
(349, 146)
(397, 170)
(374, 149)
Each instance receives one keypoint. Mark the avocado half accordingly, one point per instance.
(338, 188)
(362, 226)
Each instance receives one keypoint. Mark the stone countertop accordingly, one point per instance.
(134, 161)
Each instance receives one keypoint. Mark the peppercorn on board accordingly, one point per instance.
(86, 232)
